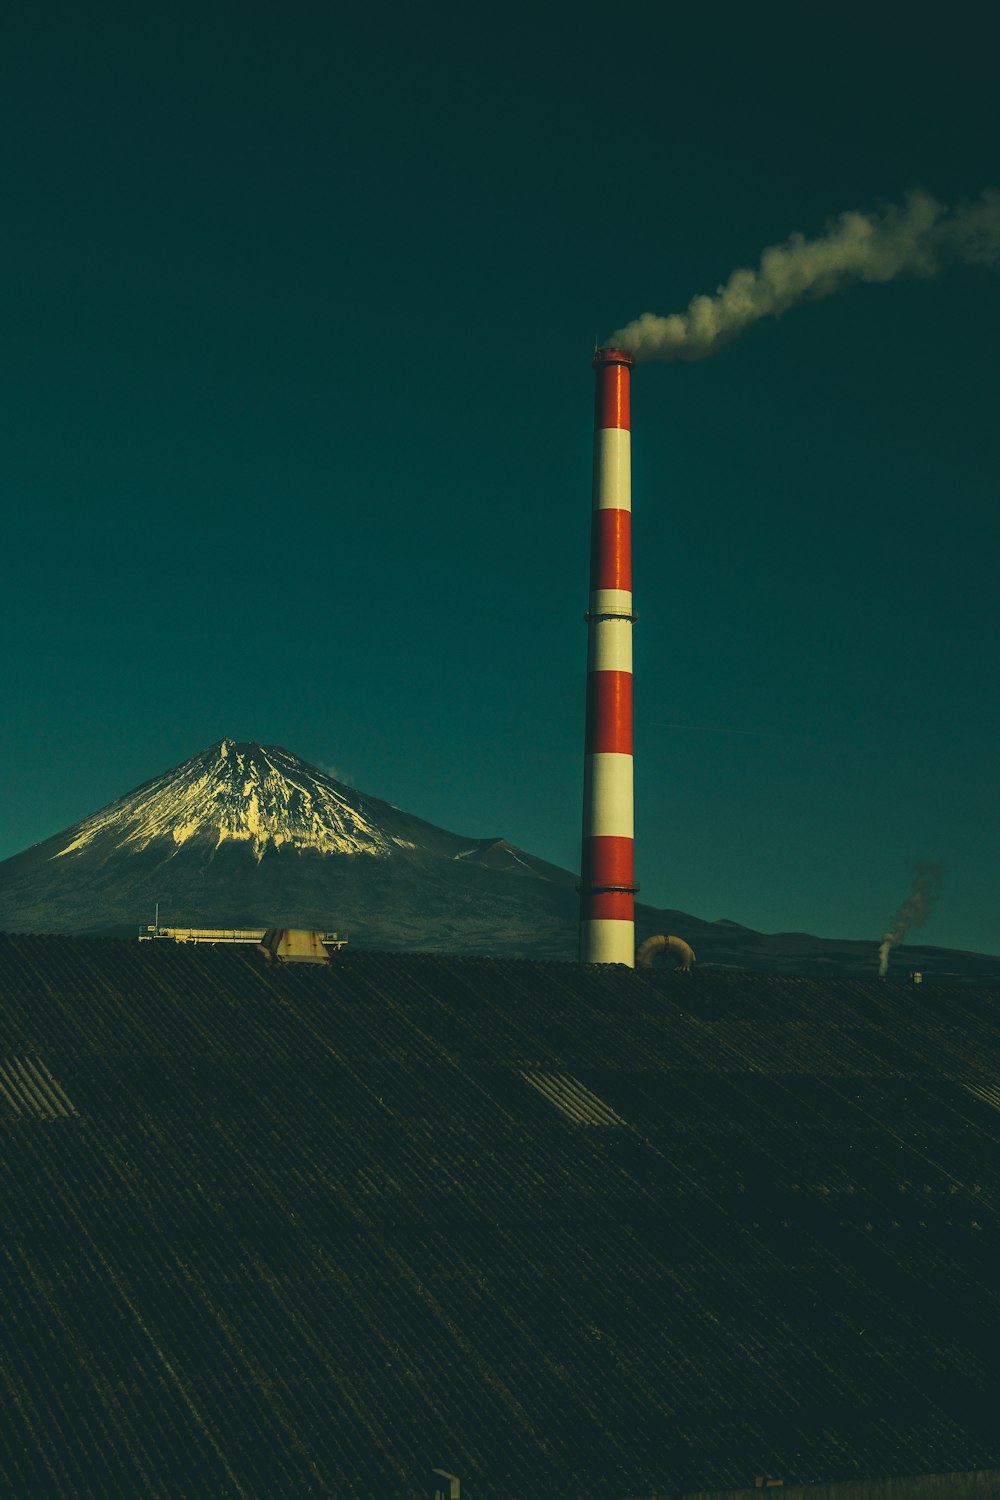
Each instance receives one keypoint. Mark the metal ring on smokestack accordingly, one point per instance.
(607, 880)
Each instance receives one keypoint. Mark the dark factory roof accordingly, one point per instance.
(291, 1230)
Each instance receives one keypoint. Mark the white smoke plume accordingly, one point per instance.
(915, 909)
(919, 238)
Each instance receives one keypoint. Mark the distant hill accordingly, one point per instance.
(245, 835)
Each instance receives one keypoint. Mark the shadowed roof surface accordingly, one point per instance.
(289, 1231)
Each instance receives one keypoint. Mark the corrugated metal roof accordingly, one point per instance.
(309, 1231)
(579, 1104)
(27, 1088)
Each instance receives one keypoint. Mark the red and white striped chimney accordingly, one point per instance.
(607, 879)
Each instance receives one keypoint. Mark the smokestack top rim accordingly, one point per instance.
(611, 357)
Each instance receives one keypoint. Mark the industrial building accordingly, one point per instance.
(277, 1229)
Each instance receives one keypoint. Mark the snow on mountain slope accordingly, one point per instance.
(257, 795)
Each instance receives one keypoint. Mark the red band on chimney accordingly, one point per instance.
(618, 905)
(611, 549)
(611, 406)
(608, 861)
(609, 713)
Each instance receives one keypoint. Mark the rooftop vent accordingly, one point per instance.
(293, 945)
(576, 1102)
(989, 1093)
(28, 1089)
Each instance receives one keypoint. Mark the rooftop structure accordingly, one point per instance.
(317, 1229)
(216, 935)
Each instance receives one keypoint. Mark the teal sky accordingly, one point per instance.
(298, 305)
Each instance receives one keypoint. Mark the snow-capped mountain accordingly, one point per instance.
(255, 795)
(250, 835)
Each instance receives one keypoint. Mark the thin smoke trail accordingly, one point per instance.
(919, 238)
(915, 909)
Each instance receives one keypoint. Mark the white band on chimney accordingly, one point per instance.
(609, 942)
(608, 808)
(613, 469)
(610, 646)
(611, 602)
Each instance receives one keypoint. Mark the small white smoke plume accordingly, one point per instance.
(915, 909)
(919, 238)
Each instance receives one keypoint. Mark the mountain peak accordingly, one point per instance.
(225, 749)
(237, 791)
